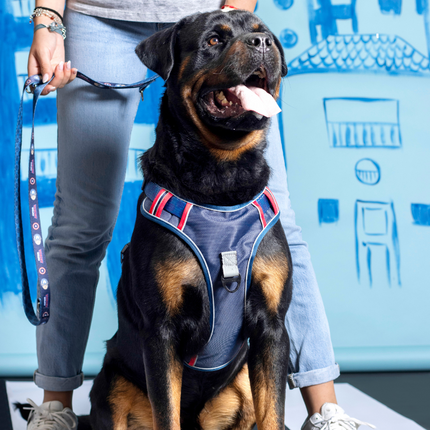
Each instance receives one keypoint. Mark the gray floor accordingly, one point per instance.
(407, 393)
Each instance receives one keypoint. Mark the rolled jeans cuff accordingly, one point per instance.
(54, 383)
(313, 377)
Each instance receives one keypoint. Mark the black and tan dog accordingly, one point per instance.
(209, 149)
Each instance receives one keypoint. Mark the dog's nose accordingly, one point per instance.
(259, 41)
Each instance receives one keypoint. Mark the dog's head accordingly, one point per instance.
(222, 72)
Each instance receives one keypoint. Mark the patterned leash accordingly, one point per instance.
(41, 316)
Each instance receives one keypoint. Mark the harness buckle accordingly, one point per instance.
(230, 271)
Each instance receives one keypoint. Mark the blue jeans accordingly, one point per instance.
(94, 128)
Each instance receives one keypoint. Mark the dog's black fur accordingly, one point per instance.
(213, 156)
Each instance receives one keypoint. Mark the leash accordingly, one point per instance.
(35, 85)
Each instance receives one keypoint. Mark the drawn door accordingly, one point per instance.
(376, 230)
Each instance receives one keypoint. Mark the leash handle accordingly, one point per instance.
(41, 316)
(34, 85)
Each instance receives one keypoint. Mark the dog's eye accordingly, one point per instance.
(213, 41)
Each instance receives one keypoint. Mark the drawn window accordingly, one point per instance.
(375, 222)
(328, 210)
(420, 214)
(362, 123)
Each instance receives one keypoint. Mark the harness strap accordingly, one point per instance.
(35, 85)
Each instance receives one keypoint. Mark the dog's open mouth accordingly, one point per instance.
(251, 96)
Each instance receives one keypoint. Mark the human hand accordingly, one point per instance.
(47, 58)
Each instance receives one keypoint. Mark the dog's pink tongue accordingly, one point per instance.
(256, 99)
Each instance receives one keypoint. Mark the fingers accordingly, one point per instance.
(63, 75)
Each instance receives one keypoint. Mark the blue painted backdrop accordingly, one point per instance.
(355, 130)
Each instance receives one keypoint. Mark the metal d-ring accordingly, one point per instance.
(226, 281)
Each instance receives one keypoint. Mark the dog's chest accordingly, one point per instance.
(225, 241)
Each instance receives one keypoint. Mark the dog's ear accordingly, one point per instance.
(284, 68)
(158, 51)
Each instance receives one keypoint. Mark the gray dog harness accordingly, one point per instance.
(225, 240)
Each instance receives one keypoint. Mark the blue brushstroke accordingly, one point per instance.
(288, 38)
(422, 6)
(391, 6)
(368, 171)
(283, 4)
(149, 110)
(46, 113)
(420, 214)
(362, 53)
(15, 34)
(326, 15)
(328, 210)
(123, 230)
(376, 225)
(368, 133)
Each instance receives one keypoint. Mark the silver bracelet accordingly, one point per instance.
(54, 27)
(39, 11)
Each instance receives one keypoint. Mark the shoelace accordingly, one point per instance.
(342, 421)
(48, 419)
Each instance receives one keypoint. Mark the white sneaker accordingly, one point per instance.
(332, 417)
(51, 416)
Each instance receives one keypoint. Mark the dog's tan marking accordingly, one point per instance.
(251, 140)
(232, 408)
(225, 27)
(271, 273)
(172, 276)
(175, 378)
(131, 409)
(264, 395)
(256, 26)
(183, 67)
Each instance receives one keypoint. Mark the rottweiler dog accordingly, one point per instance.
(209, 150)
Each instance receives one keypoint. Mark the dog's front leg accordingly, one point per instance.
(164, 379)
(267, 303)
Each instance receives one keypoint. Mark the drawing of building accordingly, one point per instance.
(356, 131)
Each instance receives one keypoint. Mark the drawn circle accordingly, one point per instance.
(35, 226)
(44, 283)
(42, 270)
(37, 239)
(283, 4)
(367, 171)
(32, 181)
(33, 194)
(288, 38)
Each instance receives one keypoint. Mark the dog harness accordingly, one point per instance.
(225, 240)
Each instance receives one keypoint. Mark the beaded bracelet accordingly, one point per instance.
(50, 13)
(53, 27)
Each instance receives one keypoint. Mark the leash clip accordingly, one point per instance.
(30, 88)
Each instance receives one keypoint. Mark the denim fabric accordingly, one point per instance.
(94, 129)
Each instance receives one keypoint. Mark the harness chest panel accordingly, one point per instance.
(235, 232)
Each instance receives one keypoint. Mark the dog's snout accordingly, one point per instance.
(259, 41)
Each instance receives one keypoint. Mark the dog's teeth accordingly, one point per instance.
(230, 103)
(220, 95)
(257, 115)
